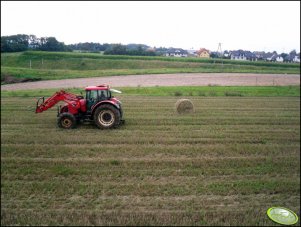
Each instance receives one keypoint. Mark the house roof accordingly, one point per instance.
(247, 54)
(201, 50)
(237, 53)
(268, 55)
(176, 51)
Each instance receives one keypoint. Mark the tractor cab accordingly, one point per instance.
(95, 94)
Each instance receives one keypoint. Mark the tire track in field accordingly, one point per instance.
(179, 79)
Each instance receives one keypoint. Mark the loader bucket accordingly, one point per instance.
(39, 103)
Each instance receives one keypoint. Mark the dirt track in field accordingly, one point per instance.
(179, 79)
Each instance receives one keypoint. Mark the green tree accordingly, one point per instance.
(293, 53)
(14, 43)
(283, 55)
(116, 49)
(51, 44)
(214, 55)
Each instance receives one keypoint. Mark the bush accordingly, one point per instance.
(178, 93)
(233, 93)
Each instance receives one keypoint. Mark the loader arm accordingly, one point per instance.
(54, 99)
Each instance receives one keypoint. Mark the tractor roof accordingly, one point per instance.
(99, 87)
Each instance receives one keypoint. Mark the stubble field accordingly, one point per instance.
(226, 164)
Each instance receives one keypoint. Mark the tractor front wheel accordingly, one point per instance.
(66, 121)
(107, 116)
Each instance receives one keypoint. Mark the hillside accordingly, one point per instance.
(35, 65)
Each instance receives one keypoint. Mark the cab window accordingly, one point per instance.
(92, 95)
(104, 94)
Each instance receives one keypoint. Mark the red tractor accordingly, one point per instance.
(98, 106)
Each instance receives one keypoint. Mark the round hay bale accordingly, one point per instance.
(184, 106)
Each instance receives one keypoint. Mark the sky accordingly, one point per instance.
(255, 25)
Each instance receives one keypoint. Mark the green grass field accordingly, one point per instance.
(226, 164)
(201, 91)
(61, 65)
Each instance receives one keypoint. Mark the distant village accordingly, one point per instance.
(242, 55)
(23, 42)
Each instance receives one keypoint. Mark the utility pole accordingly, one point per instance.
(219, 50)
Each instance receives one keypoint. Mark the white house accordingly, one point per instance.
(238, 55)
(279, 59)
(226, 54)
(297, 58)
(191, 52)
(176, 53)
(272, 57)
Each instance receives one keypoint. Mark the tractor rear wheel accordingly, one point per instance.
(66, 121)
(107, 116)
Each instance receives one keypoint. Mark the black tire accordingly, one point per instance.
(66, 121)
(107, 116)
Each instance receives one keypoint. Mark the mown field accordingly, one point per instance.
(226, 164)
(61, 65)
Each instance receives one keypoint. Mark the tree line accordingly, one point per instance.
(22, 42)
